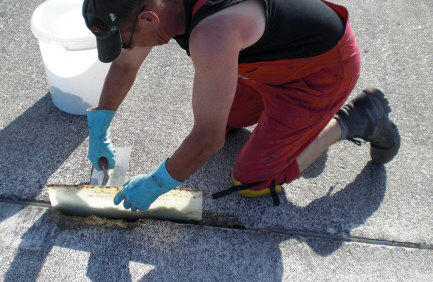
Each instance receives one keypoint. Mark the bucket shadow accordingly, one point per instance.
(34, 146)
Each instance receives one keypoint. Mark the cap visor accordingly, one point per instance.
(109, 48)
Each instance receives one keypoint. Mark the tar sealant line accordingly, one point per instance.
(292, 233)
(26, 202)
(312, 235)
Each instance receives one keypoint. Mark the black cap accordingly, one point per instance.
(104, 18)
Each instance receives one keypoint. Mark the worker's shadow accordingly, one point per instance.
(338, 213)
(58, 249)
(108, 252)
(157, 251)
(343, 208)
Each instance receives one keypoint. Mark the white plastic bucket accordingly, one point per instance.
(74, 73)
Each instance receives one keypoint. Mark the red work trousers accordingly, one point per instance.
(291, 101)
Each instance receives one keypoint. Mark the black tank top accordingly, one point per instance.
(294, 28)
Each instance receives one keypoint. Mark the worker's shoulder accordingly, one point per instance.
(244, 22)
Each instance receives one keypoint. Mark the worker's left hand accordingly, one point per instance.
(142, 190)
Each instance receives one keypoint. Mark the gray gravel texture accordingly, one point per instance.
(341, 196)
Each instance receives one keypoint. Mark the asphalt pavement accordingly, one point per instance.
(345, 219)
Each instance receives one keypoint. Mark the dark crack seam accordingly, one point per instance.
(292, 233)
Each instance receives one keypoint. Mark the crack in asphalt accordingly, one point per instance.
(226, 221)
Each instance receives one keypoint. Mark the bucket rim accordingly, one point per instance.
(82, 42)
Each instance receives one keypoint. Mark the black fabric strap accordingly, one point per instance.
(235, 188)
(356, 141)
(274, 194)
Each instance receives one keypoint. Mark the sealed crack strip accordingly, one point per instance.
(312, 235)
(229, 221)
(26, 202)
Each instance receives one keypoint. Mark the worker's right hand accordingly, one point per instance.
(100, 144)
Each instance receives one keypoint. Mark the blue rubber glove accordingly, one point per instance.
(100, 144)
(142, 190)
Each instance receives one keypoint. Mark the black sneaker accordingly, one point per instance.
(367, 117)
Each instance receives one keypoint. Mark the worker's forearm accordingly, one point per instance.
(117, 84)
(191, 156)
